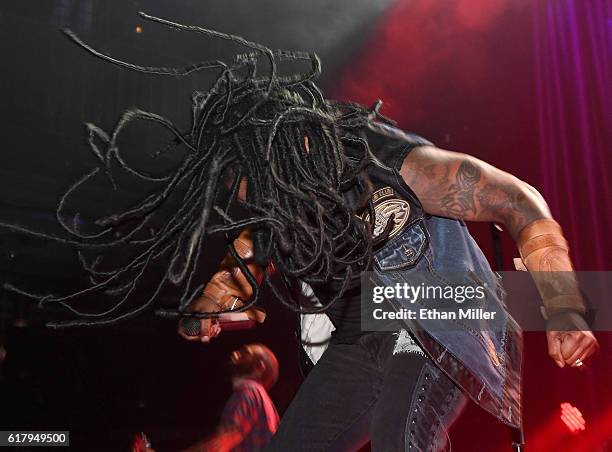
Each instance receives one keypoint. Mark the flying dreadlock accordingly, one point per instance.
(301, 202)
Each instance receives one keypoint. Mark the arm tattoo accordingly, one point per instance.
(510, 203)
(460, 197)
(458, 186)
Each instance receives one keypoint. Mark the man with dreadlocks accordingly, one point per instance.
(338, 191)
(332, 191)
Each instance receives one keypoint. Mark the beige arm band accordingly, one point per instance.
(545, 253)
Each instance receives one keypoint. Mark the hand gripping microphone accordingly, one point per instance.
(228, 281)
(229, 321)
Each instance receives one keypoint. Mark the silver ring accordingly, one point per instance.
(236, 301)
(578, 362)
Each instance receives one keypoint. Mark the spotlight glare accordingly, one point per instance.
(572, 418)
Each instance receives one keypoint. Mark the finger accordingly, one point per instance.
(554, 347)
(588, 352)
(580, 362)
(215, 330)
(228, 295)
(205, 327)
(242, 285)
(580, 347)
(570, 341)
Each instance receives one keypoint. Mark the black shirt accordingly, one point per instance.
(391, 194)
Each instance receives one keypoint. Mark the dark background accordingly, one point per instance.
(470, 75)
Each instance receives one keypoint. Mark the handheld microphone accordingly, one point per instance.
(229, 321)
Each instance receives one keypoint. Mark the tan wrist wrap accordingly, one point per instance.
(545, 253)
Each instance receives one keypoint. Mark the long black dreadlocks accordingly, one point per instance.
(301, 201)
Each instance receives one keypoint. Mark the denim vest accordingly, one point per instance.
(484, 360)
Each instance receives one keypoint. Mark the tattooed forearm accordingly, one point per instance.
(460, 197)
(460, 186)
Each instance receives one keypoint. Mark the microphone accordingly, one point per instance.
(228, 321)
(190, 326)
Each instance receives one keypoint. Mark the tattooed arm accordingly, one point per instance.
(456, 185)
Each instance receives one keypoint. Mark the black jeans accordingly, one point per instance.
(364, 391)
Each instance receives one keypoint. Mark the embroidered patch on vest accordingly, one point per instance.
(387, 203)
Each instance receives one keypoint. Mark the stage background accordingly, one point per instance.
(524, 85)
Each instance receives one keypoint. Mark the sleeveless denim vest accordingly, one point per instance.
(484, 361)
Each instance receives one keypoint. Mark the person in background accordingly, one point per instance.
(249, 418)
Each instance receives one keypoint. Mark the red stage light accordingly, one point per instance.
(572, 418)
